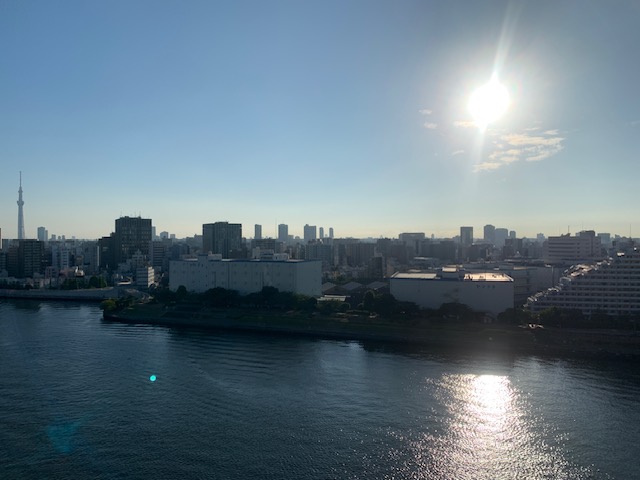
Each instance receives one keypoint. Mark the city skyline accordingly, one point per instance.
(346, 115)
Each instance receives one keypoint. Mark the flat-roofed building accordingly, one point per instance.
(247, 276)
(489, 292)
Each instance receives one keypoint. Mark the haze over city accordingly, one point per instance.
(353, 115)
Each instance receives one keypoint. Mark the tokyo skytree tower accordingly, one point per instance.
(20, 212)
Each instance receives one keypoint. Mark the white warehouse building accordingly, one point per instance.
(247, 276)
(490, 292)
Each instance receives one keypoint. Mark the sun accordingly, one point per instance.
(488, 103)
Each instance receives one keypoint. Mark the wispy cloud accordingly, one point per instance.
(431, 126)
(426, 111)
(464, 124)
(487, 166)
(634, 123)
(513, 147)
(457, 152)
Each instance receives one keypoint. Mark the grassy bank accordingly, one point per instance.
(464, 336)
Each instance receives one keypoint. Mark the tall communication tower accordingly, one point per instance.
(20, 212)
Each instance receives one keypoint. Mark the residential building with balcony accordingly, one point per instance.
(611, 286)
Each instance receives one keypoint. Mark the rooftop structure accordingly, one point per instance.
(611, 287)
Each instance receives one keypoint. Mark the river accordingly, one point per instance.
(83, 398)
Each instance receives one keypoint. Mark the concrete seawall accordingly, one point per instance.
(90, 295)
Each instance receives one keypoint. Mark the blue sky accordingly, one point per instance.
(345, 114)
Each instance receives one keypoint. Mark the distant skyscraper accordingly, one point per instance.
(258, 232)
(490, 234)
(512, 234)
(20, 212)
(330, 232)
(222, 238)
(42, 234)
(283, 232)
(321, 232)
(132, 234)
(501, 235)
(466, 236)
(310, 232)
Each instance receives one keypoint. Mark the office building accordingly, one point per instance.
(330, 232)
(321, 232)
(222, 238)
(257, 231)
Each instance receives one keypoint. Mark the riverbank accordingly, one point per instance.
(460, 336)
(87, 295)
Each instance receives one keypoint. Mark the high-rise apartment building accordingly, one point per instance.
(310, 232)
(43, 234)
(222, 238)
(257, 231)
(565, 249)
(611, 287)
(501, 235)
(466, 236)
(490, 234)
(330, 232)
(321, 232)
(25, 259)
(132, 234)
(283, 233)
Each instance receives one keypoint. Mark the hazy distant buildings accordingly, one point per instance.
(132, 234)
(309, 233)
(413, 242)
(501, 234)
(466, 236)
(222, 238)
(247, 276)
(43, 235)
(283, 233)
(321, 232)
(490, 234)
(257, 231)
(330, 232)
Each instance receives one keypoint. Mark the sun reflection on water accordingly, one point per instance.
(486, 428)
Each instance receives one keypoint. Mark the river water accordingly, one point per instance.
(83, 398)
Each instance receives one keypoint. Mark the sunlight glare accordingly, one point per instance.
(488, 102)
